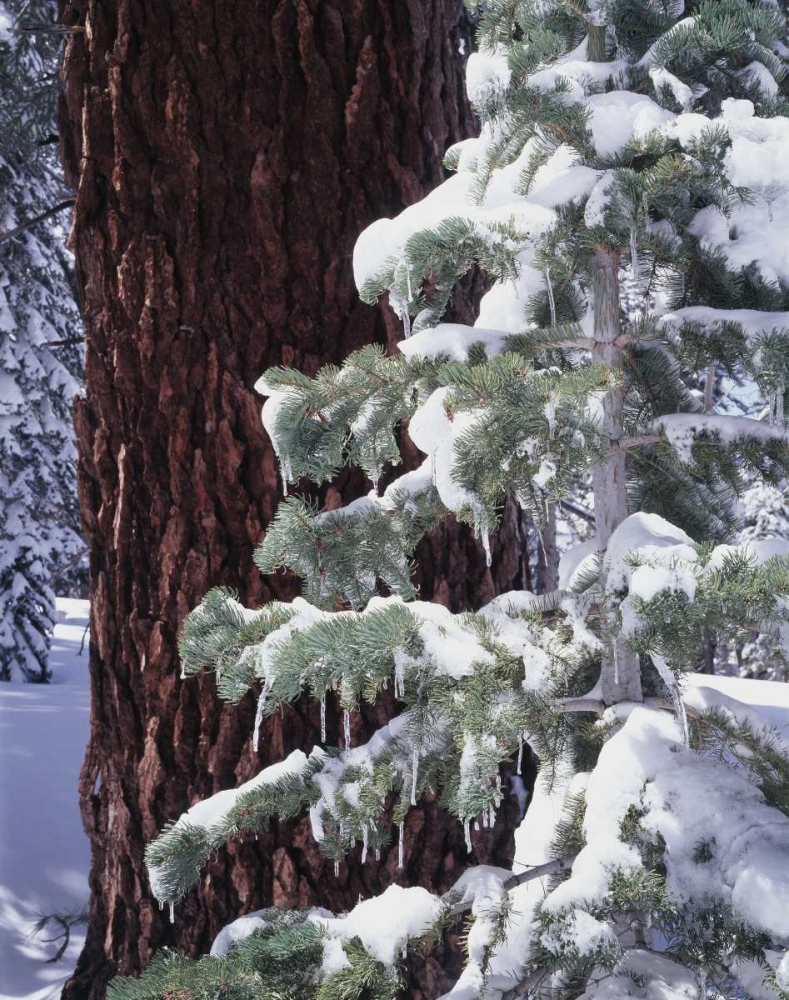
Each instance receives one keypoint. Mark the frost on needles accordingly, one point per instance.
(627, 198)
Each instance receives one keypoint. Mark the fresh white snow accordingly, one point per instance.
(43, 849)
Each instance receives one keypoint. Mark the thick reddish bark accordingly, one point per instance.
(226, 154)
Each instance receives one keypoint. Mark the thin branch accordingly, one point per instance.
(562, 864)
(49, 29)
(637, 441)
(598, 706)
(29, 223)
(69, 342)
(567, 705)
(574, 508)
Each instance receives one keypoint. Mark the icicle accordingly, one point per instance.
(551, 300)
(323, 717)
(485, 535)
(336, 868)
(172, 913)
(404, 952)
(385, 684)
(634, 257)
(408, 278)
(414, 774)
(476, 825)
(378, 854)
(399, 678)
(485, 818)
(520, 755)
(259, 714)
(683, 715)
(346, 725)
(365, 842)
(400, 848)
(542, 547)
(616, 662)
(467, 833)
(492, 816)
(286, 471)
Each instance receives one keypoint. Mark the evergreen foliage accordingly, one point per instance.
(618, 197)
(40, 355)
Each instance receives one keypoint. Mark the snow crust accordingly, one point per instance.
(453, 340)
(681, 429)
(487, 74)
(650, 537)
(688, 800)
(213, 811)
(385, 923)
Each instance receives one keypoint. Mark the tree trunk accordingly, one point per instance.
(621, 674)
(226, 155)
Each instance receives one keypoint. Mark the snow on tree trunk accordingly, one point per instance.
(225, 166)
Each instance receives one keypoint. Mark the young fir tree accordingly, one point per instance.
(625, 196)
(40, 359)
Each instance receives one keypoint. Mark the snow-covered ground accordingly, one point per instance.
(43, 850)
(769, 698)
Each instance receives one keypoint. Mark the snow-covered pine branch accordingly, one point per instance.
(626, 198)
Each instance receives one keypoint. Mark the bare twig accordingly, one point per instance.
(29, 223)
(65, 921)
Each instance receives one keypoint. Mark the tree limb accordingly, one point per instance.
(69, 342)
(562, 864)
(29, 223)
(574, 508)
(598, 706)
(49, 29)
(637, 441)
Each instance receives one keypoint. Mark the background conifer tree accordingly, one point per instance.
(625, 196)
(40, 353)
